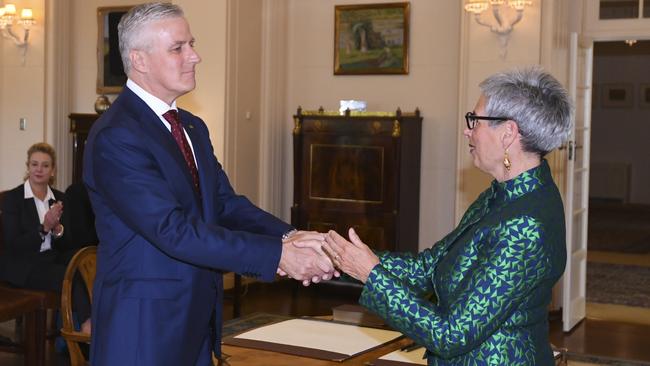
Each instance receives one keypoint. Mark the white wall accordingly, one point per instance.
(208, 25)
(481, 59)
(22, 90)
(431, 85)
(620, 135)
(22, 87)
(243, 99)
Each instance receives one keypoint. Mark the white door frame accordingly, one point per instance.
(576, 198)
(593, 30)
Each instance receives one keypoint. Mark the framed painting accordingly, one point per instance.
(371, 39)
(110, 71)
(617, 95)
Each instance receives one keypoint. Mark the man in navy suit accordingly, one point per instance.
(168, 220)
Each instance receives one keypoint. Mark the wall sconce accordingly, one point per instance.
(504, 17)
(7, 17)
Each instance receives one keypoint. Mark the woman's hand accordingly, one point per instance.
(352, 257)
(53, 216)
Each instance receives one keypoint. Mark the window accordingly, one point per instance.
(617, 9)
(616, 19)
(623, 9)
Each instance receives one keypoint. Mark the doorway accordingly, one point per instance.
(618, 260)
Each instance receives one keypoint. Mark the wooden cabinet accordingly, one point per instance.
(359, 170)
(80, 124)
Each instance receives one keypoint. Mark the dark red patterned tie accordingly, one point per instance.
(177, 133)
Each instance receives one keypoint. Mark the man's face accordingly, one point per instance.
(167, 67)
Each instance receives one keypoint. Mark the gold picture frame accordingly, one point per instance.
(371, 39)
(110, 72)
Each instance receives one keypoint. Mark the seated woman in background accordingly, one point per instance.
(491, 276)
(35, 254)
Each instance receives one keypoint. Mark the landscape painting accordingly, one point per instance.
(371, 39)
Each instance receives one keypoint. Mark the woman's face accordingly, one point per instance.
(39, 168)
(485, 144)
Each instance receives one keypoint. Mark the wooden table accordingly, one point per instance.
(16, 303)
(254, 357)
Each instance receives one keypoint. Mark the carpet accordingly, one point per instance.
(618, 284)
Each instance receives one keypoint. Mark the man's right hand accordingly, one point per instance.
(306, 262)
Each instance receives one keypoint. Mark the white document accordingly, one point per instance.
(414, 357)
(334, 337)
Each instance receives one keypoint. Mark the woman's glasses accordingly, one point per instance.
(472, 119)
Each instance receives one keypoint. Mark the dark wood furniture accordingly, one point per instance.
(359, 170)
(16, 303)
(80, 124)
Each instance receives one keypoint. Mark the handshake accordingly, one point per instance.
(309, 256)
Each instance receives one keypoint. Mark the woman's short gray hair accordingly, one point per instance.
(129, 29)
(536, 101)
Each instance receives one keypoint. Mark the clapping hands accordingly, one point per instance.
(53, 216)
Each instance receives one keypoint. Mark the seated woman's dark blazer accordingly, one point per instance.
(22, 241)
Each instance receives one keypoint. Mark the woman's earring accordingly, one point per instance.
(506, 161)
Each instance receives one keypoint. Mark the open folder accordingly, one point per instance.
(314, 338)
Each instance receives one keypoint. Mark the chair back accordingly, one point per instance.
(84, 263)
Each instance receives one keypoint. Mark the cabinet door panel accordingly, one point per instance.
(358, 175)
(376, 231)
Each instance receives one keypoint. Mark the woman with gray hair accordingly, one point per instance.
(480, 295)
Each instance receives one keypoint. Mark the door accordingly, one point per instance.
(577, 183)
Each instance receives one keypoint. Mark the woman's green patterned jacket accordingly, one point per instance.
(492, 277)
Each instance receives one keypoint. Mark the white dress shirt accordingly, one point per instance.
(159, 108)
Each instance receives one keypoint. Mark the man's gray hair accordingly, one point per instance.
(536, 101)
(129, 30)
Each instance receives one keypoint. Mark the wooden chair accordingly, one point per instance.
(85, 263)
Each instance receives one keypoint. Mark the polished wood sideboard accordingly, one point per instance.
(80, 124)
(359, 170)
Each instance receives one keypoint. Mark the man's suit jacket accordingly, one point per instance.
(22, 240)
(158, 289)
